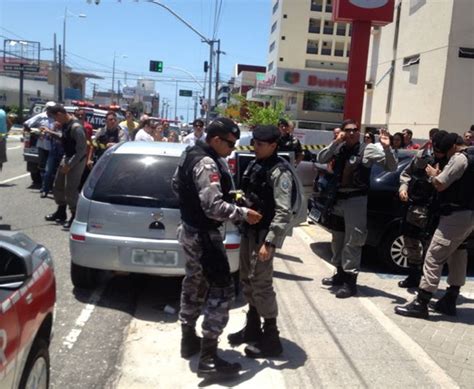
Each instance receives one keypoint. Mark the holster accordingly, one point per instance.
(214, 260)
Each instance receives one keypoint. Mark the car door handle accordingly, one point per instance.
(29, 298)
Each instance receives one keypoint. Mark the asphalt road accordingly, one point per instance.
(89, 326)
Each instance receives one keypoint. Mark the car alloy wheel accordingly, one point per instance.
(38, 377)
(398, 252)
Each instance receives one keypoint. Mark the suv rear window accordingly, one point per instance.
(138, 180)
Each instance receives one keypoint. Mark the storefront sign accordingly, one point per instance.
(378, 12)
(311, 80)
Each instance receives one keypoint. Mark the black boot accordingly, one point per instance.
(190, 342)
(349, 287)
(270, 345)
(447, 303)
(413, 279)
(59, 216)
(211, 365)
(418, 307)
(252, 332)
(68, 224)
(336, 280)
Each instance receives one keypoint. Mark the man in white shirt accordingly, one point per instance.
(145, 134)
(197, 134)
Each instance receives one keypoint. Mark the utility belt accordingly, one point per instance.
(214, 261)
(348, 195)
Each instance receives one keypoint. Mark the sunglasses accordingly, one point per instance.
(229, 142)
(199, 125)
(351, 130)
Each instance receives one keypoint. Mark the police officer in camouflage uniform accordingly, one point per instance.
(288, 142)
(202, 183)
(455, 187)
(420, 220)
(267, 183)
(350, 182)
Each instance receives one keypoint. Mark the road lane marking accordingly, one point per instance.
(71, 338)
(15, 178)
(14, 148)
(423, 359)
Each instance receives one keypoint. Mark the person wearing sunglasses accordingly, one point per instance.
(203, 183)
(347, 198)
(197, 134)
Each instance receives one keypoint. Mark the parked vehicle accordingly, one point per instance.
(27, 297)
(96, 117)
(385, 211)
(127, 216)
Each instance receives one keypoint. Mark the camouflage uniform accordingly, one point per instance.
(256, 275)
(197, 291)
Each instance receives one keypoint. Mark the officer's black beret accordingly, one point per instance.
(222, 125)
(283, 121)
(443, 141)
(266, 133)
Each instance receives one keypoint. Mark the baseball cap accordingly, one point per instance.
(222, 125)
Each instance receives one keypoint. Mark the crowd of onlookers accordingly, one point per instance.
(404, 139)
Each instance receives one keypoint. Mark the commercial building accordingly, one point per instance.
(421, 68)
(308, 57)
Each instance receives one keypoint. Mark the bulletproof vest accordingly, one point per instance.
(189, 202)
(420, 190)
(69, 143)
(349, 170)
(461, 192)
(288, 143)
(258, 189)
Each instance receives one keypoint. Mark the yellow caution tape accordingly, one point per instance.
(305, 147)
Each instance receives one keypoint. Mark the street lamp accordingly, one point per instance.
(113, 73)
(210, 42)
(68, 14)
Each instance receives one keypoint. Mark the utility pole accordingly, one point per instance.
(60, 75)
(55, 69)
(176, 102)
(196, 98)
(218, 52)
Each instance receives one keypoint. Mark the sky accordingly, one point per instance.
(137, 32)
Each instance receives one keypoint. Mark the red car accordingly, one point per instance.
(27, 297)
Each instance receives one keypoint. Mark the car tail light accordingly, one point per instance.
(232, 246)
(79, 238)
(232, 162)
(26, 140)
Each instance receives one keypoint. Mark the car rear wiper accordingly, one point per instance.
(126, 199)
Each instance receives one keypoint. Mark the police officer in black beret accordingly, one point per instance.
(267, 183)
(288, 142)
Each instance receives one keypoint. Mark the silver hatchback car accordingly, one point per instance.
(127, 216)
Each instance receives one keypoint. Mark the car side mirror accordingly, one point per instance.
(14, 269)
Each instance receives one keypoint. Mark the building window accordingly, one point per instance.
(339, 49)
(412, 64)
(415, 5)
(272, 47)
(285, 16)
(350, 29)
(347, 52)
(275, 6)
(281, 59)
(270, 66)
(283, 37)
(314, 26)
(326, 48)
(274, 26)
(341, 29)
(466, 52)
(317, 5)
(328, 6)
(312, 47)
(328, 27)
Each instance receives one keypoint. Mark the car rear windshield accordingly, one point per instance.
(138, 180)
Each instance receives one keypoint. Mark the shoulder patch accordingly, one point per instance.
(285, 183)
(214, 177)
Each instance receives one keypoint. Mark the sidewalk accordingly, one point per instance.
(328, 343)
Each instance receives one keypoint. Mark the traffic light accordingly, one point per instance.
(156, 66)
(206, 66)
